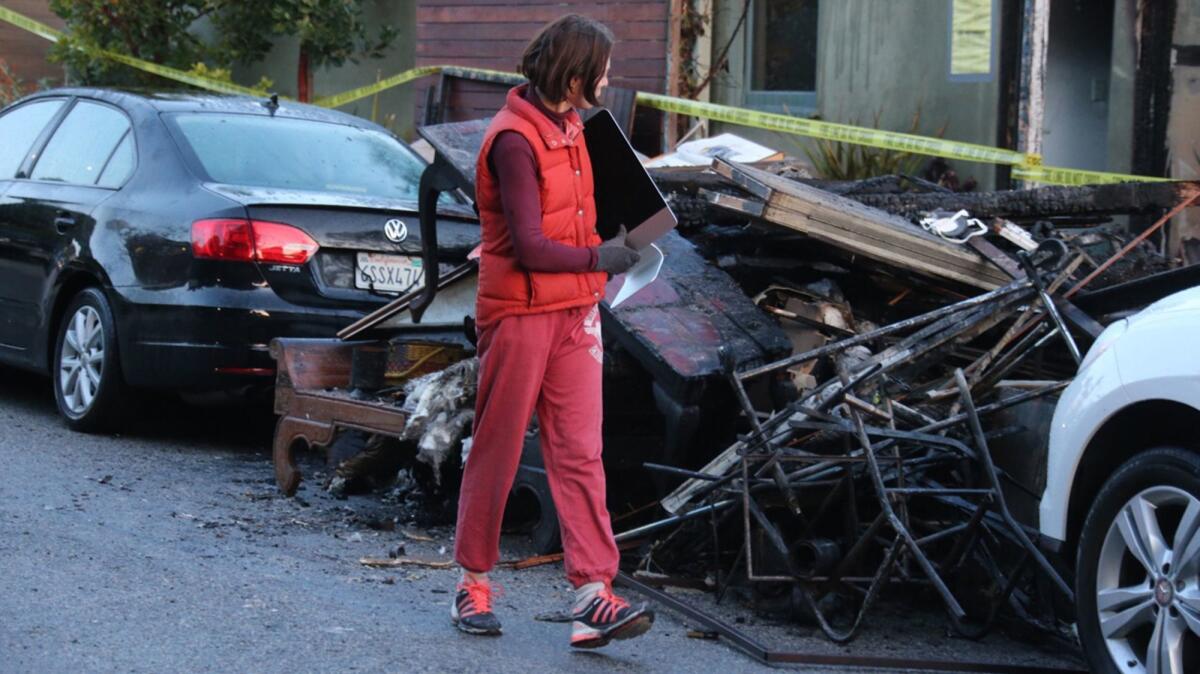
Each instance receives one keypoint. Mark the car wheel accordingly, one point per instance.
(1138, 572)
(87, 373)
(531, 508)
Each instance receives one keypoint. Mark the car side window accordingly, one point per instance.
(19, 128)
(82, 144)
(120, 164)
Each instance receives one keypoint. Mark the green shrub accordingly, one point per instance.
(845, 161)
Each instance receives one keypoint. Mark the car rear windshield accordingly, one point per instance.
(300, 154)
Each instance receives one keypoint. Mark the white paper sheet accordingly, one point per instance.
(640, 275)
(701, 152)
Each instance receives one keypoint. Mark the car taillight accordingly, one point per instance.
(223, 239)
(251, 240)
(276, 242)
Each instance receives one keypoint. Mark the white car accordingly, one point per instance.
(1123, 490)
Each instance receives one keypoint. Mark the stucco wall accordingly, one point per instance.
(1121, 86)
(890, 58)
(1183, 132)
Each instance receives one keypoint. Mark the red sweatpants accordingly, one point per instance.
(551, 362)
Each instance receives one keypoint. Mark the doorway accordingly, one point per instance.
(1078, 71)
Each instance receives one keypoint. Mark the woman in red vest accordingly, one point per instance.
(542, 273)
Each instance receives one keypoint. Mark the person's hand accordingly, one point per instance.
(618, 238)
(614, 257)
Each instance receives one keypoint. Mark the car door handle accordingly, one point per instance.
(63, 223)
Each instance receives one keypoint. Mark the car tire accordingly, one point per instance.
(1153, 500)
(544, 535)
(88, 385)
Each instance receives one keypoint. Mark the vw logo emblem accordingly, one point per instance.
(395, 230)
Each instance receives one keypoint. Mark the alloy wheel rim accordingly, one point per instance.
(81, 363)
(1147, 589)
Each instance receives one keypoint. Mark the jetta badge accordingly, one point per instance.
(395, 230)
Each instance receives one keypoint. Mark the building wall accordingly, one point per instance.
(25, 52)
(493, 34)
(1183, 133)
(1121, 86)
(889, 59)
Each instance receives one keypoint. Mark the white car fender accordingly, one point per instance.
(1155, 355)
(1159, 358)
(1095, 395)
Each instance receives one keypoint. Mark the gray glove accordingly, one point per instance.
(614, 257)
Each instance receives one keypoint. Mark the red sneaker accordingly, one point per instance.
(471, 611)
(607, 617)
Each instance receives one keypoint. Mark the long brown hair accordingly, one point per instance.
(569, 47)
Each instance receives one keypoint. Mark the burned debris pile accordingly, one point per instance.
(928, 345)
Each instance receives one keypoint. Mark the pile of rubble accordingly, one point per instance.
(930, 332)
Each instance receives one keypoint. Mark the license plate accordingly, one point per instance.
(388, 273)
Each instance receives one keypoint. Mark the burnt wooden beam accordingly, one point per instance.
(1008, 104)
(1152, 86)
(688, 179)
(1042, 202)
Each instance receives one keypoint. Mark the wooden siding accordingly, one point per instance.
(493, 33)
(25, 52)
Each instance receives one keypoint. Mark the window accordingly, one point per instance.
(300, 154)
(19, 128)
(82, 144)
(782, 56)
(120, 164)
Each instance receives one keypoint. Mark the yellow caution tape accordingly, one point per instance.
(41, 29)
(902, 142)
(844, 133)
(31, 25)
(338, 100)
(1025, 166)
(1061, 176)
(185, 77)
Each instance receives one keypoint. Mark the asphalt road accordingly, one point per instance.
(170, 550)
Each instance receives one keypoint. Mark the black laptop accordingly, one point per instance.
(625, 193)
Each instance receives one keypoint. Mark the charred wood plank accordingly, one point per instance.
(1042, 202)
(749, 207)
(862, 230)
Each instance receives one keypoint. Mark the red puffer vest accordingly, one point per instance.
(568, 216)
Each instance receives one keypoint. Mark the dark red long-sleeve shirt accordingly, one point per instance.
(515, 167)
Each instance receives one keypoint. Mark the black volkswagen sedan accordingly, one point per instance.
(161, 241)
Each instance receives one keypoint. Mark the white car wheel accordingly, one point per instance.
(81, 361)
(1138, 589)
(88, 386)
(1164, 600)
